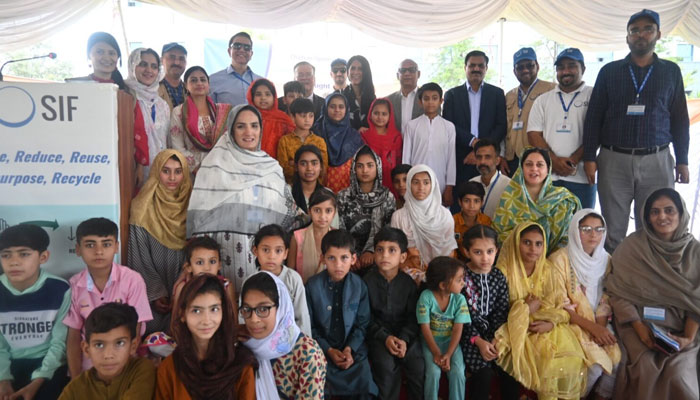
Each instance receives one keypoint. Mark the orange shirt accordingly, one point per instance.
(461, 228)
(288, 146)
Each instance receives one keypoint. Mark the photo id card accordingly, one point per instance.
(517, 125)
(635, 109)
(654, 313)
(564, 127)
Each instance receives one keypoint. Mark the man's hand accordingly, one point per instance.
(590, 167)
(162, 305)
(391, 345)
(503, 166)
(682, 173)
(28, 392)
(447, 199)
(644, 333)
(470, 158)
(6, 389)
(560, 167)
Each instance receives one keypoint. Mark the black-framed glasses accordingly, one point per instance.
(586, 229)
(261, 311)
(523, 67)
(339, 70)
(412, 70)
(238, 46)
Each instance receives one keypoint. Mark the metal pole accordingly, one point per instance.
(500, 53)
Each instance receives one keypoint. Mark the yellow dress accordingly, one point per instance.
(551, 363)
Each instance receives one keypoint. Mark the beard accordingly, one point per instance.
(641, 47)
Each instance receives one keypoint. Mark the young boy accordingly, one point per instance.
(398, 180)
(32, 306)
(430, 140)
(103, 281)
(392, 335)
(302, 112)
(110, 342)
(340, 314)
(292, 90)
(470, 196)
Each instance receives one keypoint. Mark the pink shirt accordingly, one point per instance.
(123, 286)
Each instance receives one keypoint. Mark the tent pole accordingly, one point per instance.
(500, 53)
(121, 19)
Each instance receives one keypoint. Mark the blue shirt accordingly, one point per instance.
(228, 86)
(474, 107)
(665, 118)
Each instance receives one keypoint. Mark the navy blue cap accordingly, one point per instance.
(339, 61)
(173, 46)
(572, 53)
(526, 53)
(651, 14)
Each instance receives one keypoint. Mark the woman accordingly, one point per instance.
(360, 92)
(151, 113)
(384, 139)
(103, 53)
(239, 189)
(197, 124)
(536, 345)
(157, 232)
(208, 362)
(655, 279)
(292, 365)
(531, 196)
(367, 205)
(582, 266)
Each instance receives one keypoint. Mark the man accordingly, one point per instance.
(339, 74)
(404, 101)
(478, 110)
(231, 84)
(305, 73)
(636, 110)
(556, 124)
(487, 161)
(171, 88)
(518, 103)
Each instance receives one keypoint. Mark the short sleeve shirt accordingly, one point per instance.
(428, 312)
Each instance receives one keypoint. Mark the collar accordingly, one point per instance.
(310, 97)
(89, 283)
(230, 70)
(469, 87)
(33, 288)
(493, 180)
(179, 85)
(578, 90)
(628, 60)
(411, 93)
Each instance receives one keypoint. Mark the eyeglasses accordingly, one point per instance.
(339, 70)
(238, 46)
(411, 70)
(647, 30)
(261, 311)
(589, 229)
(523, 67)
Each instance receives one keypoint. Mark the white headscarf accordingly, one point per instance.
(590, 270)
(280, 342)
(431, 223)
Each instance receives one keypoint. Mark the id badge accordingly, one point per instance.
(654, 313)
(635, 109)
(564, 127)
(517, 125)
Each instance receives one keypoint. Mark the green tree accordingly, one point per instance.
(53, 70)
(448, 64)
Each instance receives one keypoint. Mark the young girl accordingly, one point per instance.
(276, 123)
(428, 225)
(208, 362)
(308, 170)
(342, 141)
(384, 139)
(305, 248)
(292, 365)
(270, 247)
(367, 205)
(486, 291)
(442, 312)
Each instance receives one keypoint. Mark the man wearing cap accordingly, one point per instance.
(556, 124)
(171, 88)
(518, 104)
(305, 73)
(231, 84)
(339, 74)
(636, 110)
(404, 101)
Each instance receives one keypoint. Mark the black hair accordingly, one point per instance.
(474, 188)
(479, 231)
(240, 34)
(365, 151)
(592, 215)
(393, 235)
(429, 87)
(106, 38)
(190, 70)
(272, 230)
(476, 53)
(293, 87)
(338, 238)
(201, 242)
(381, 101)
(301, 106)
(153, 53)
(25, 235)
(657, 194)
(367, 84)
(101, 227)
(265, 82)
(297, 192)
(441, 270)
(110, 316)
(485, 142)
(263, 283)
(400, 169)
(542, 152)
(532, 228)
(321, 195)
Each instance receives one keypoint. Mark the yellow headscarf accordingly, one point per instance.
(161, 212)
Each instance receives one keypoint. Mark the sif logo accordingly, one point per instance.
(20, 108)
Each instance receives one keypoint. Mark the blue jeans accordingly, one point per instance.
(586, 193)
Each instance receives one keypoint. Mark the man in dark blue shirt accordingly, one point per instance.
(636, 110)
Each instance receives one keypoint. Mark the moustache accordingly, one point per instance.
(481, 166)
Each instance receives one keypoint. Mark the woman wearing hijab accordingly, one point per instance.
(384, 139)
(360, 92)
(238, 189)
(198, 123)
(291, 364)
(582, 266)
(103, 53)
(655, 282)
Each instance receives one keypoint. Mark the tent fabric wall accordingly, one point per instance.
(594, 24)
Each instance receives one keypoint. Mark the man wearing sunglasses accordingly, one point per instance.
(404, 101)
(231, 84)
(339, 75)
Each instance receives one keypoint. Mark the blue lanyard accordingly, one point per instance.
(486, 199)
(565, 107)
(644, 82)
(521, 100)
(240, 77)
(153, 113)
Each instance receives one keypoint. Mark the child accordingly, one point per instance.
(31, 365)
(427, 224)
(340, 314)
(430, 139)
(270, 247)
(302, 111)
(308, 164)
(486, 291)
(470, 196)
(383, 137)
(398, 182)
(209, 361)
(292, 90)
(275, 123)
(305, 248)
(103, 281)
(110, 342)
(392, 335)
(442, 312)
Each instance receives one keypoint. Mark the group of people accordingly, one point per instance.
(302, 247)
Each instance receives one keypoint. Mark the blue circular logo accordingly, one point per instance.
(11, 124)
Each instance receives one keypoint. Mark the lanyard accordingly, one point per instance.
(240, 77)
(521, 100)
(486, 200)
(565, 107)
(153, 113)
(637, 88)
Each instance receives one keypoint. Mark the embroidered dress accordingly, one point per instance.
(388, 146)
(301, 373)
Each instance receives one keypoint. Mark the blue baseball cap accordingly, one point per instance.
(526, 53)
(651, 14)
(572, 53)
(173, 46)
(339, 61)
